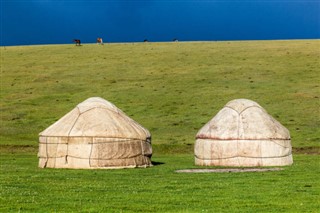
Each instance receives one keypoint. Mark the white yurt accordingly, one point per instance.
(243, 134)
(95, 135)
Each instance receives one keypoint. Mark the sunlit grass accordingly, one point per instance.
(172, 89)
(157, 189)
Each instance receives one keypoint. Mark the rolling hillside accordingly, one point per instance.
(172, 89)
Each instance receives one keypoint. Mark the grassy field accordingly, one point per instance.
(172, 89)
(26, 188)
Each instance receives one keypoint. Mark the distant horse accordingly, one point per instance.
(99, 41)
(77, 41)
(175, 40)
(146, 40)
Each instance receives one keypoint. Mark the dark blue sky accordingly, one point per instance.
(25, 22)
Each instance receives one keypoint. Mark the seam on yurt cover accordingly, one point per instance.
(101, 107)
(123, 158)
(142, 152)
(71, 156)
(232, 109)
(138, 126)
(55, 161)
(135, 126)
(53, 157)
(45, 164)
(260, 154)
(272, 140)
(135, 162)
(123, 139)
(91, 152)
(238, 136)
(240, 139)
(269, 140)
(73, 124)
(243, 109)
(66, 156)
(241, 157)
(239, 113)
(248, 108)
(123, 154)
(53, 143)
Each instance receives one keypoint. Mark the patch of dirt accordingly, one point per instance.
(309, 150)
(18, 148)
(228, 170)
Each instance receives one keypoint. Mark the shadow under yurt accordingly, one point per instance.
(95, 135)
(243, 134)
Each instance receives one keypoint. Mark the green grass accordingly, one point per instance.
(157, 189)
(172, 89)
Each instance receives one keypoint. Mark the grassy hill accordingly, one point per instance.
(172, 89)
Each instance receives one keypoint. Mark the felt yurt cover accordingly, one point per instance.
(243, 134)
(95, 134)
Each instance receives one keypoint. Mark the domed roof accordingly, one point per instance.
(243, 119)
(96, 117)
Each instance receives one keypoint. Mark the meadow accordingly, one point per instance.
(172, 89)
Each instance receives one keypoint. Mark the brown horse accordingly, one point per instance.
(77, 41)
(99, 41)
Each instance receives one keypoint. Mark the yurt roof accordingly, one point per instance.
(243, 119)
(96, 117)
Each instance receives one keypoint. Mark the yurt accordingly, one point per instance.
(243, 134)
(95, 135)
